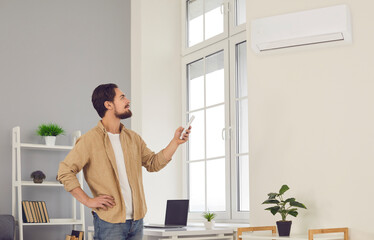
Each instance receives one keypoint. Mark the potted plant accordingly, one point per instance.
(38, 176)
(284, 208)
(49, 132)
(209, 216)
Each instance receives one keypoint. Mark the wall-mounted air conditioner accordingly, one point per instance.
(302, 28)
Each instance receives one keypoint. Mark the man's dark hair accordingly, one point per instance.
(102, 93)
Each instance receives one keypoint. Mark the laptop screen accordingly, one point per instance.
(176, 212)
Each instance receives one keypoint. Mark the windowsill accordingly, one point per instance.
(230, 225)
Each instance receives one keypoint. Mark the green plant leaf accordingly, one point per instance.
(273, 210)
(297, 204)
(209, 216)
(271, 201)
(49, 130)
(283, 211)
(283, 189)
(293, 213)
(272, 195)
(281, 205)
(289, 200)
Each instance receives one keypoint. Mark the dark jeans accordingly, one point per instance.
(130, 230)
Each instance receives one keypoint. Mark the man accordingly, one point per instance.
(112, 157)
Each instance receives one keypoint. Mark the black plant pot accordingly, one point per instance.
(284, 228)
(38, 180)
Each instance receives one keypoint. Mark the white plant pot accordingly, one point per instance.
(209, 225)
(50, 140)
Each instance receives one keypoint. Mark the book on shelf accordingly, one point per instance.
(42, 215)
(37, 212)
(77, 234)
(34, 212)
(25, 214)
(45, 211)
(29, 211)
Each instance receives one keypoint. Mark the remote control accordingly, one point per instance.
(188, 125)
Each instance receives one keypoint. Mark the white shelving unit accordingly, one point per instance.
(18, 184)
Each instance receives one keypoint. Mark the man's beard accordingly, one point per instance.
(123, 115)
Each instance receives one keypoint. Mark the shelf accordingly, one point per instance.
(43, 184)
(45, 147)
(18, 184)
(57, 221)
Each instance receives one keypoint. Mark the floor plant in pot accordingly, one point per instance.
(285, 207)
(49, 132)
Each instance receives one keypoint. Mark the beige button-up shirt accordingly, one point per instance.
(94, 154)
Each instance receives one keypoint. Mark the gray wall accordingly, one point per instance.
(52, 55)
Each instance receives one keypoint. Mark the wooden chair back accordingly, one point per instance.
(273, 229)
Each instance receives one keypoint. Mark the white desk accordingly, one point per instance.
(189, 233)
(270, 236)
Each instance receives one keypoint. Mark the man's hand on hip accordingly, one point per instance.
(103, 201)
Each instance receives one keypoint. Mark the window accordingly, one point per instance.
(239, 141)
(206, 22)
(215, 92)
(240, 12)
(207, 158)
(205, 19)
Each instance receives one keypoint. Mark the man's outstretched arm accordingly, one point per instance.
(175, 142)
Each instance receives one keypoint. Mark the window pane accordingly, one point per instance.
(197, 186)
(242, 126)
(195, 73)
(216, 187)
(213, 18)
(215, 79)
(243, 183)
(195, 22)
(215, 123)
(196, 144)
(241, 70)
(240, 12)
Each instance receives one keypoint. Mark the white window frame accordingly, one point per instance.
(223, 45)
(234, 29)
(227, 42)
(235, 214)
(187, 50)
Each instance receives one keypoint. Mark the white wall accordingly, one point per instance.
(156, 93)
(311, 124)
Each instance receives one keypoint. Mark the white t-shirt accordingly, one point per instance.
(122, 175)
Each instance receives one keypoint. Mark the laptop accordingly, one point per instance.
(176, 215)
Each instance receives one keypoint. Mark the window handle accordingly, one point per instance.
(224, 131)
